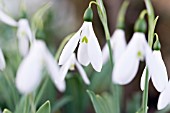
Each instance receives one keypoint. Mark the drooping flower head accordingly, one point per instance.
(138, 49)
(164, 98)
(70, 65)
(29, 73)
(24, 33)
(118, 40)
(89, 49)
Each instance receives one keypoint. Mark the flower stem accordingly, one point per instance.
(151, 21)
(145, 93)
(114, 86)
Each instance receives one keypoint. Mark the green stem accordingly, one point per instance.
(151, 16)
(115, 87)
(33, 106)
(145, 93)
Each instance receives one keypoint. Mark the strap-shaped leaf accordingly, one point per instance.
(45, 108)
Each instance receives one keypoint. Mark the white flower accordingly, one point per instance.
(164, 98)
(158, 78)
(127, 66)
(69, 64)
(118, 44)
(24, 33)
(89, 49)
(25, 36)
(2, 60)
(29, 73)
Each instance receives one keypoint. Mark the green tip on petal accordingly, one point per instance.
(140, 25)
(88, 15)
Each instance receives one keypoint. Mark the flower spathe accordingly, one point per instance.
(30, 70)
(164, 98)
(89, 49)
(24, 33)
(118, 44)
(68, 65)
(127, 66)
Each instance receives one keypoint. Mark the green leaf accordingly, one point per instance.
(6, 111)
(45, 108)
(23, 105)
(99, 103)
(61, 103)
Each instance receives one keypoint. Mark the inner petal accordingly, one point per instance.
(83, 57)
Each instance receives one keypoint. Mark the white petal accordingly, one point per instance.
(24, 30)
(83, 57)
(164, 98)
(64, 69)
(23, 45)
(157, 70)
(119, 44)
(69, 48)
(126, 67)
(7, 19)
(29, 73)
(94, 51)
(142, 82)
(82, 72)
(61, 85)
(2, 60)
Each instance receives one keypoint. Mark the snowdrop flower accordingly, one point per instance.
(70, 65)
(29, 72)
(159, 79)
(127, 66)
(164, 98)
(2, 60)
(118, 40)
(118, 44)
(24, 33)
(89, 50)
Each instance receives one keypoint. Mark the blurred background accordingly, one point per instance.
(66, 16)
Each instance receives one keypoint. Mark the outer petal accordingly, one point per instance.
(142, 82)
(29, 73)
(94, 51)
(69, 48)
(24, 30)
(83, 57)
(157, 70)
(2, 60)
(7, 19)
(82, 72)
(164, 98)
(119, 44)
(64, 69)
(23, 45)
(126, 67)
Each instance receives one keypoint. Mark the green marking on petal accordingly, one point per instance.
(140, 55)
(85, 40)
